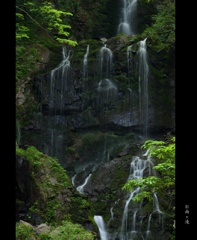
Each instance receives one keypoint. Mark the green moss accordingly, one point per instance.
(65, 230)
(24, 232)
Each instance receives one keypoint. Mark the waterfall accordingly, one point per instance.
(101, 226)
(137, 168)
(129, 61)
(85, 64)
(134, 221)
(61, 87)
(106, 61)
(143, 87)
(148, 227)
(59, 82)
(80, 188)
(127, 21)
(156, 203)
(107, 90)
(73, 180)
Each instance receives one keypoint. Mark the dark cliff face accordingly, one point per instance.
(94, 102)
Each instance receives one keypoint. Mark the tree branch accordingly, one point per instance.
(36, 23)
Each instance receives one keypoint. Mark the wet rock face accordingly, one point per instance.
(24, 187)
(24, 183)
(86, 99)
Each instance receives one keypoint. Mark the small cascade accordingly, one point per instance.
(148, 228)
(137, 168)
(85, 64)
(129, 62)
(81, 188)
(59, 83)
(143, 88)
(156, 204)
(112, 213)
(106, 62)
(127, 21)
(157, 209)
(101, 226)
(134, 221)
(73, 180)
(107, 92)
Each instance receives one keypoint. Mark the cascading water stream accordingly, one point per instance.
(127, 22)
(107, 90)
(101, 226)
(58, 83)
(156, 204)
(143, 88)
(148, 227)
(73, 180)
(129, 62)
(137, 168)
(60, 87)
(134, 221)
(106, 62)
(157, 209)
(81, 188)
(85, 64)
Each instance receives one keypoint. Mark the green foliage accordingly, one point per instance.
(162, 31)
(71, 231)
(36, 18)
(26, 58)
(40, 160)
(21, 30)
(65, 230)
(23, 231)
(46, 17)
(164, 155)
(54, 21)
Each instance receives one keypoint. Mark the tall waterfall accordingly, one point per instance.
(105, 93)
(143, 87)
(127, 21)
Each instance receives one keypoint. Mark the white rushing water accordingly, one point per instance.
(137, 168)
(81, 188)
(73, 180)
(129, 62)
(59, 83)
(143, 87)
(127, 21)
(85, 63)
(107, 90)
(101, 226)
(106, 62)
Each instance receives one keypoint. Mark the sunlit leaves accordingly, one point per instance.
(162, 31)
(47, 17)
(21, 30)
(163, 154)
